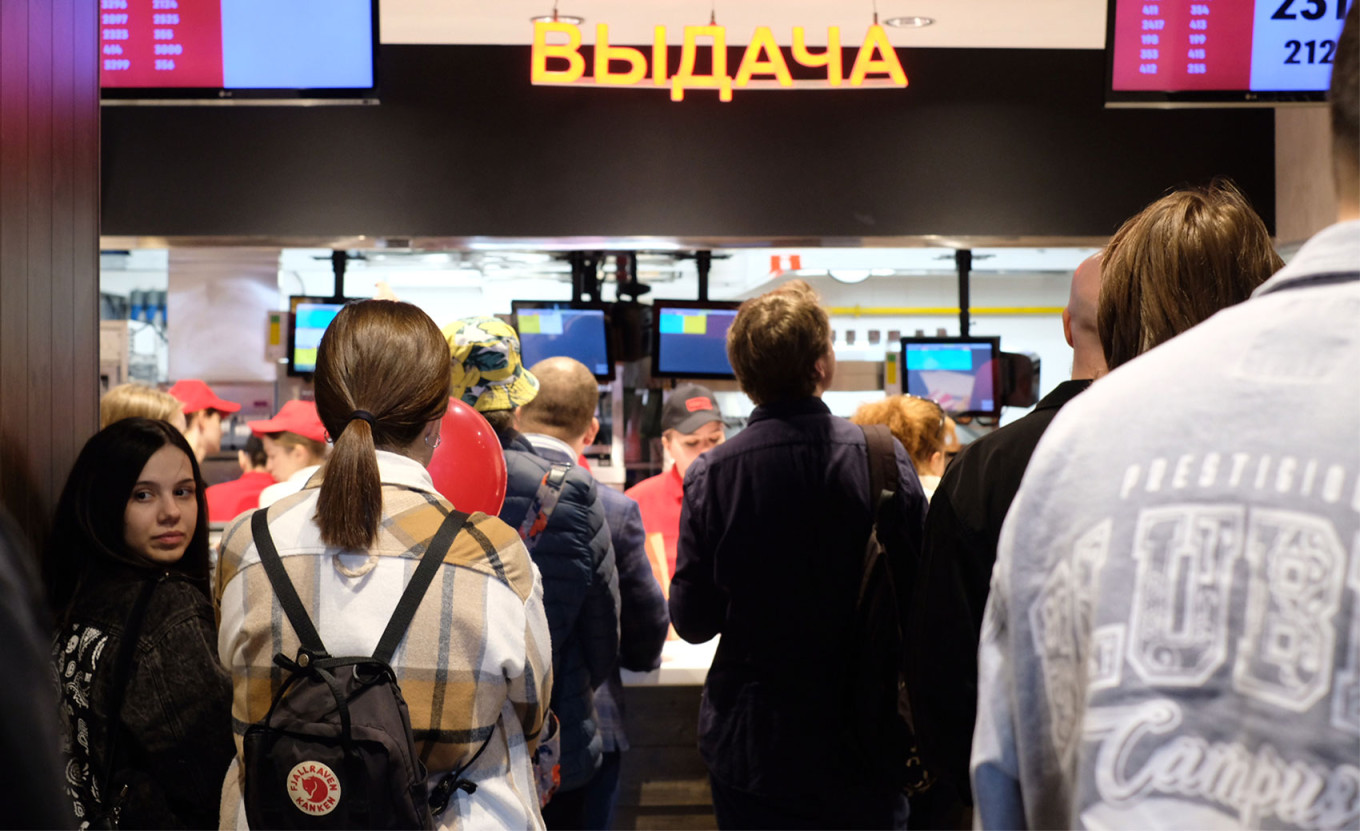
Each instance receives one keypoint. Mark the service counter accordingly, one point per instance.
(664, 783)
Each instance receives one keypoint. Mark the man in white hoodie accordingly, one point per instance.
(1173, 634)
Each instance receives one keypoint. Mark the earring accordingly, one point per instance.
(437, 440)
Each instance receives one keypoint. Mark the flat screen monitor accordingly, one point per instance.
(308, 321)
(689, 338)
(961, 374)
(552, 328)
(229, 51)
(1165, 53)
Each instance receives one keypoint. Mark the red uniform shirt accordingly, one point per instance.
(659, 499)
(230, 499)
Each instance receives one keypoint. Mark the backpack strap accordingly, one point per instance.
(420, 582)
(545, 501)
(883, 478)
(283, 587)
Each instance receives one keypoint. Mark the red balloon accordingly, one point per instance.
(468, 467)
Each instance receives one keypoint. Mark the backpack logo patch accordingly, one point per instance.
(313, 788)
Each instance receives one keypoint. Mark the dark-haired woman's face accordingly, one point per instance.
(162, 510)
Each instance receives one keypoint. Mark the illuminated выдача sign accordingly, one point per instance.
(762, 57)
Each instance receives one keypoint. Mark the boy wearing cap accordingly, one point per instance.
(294, 448)
(691, 425)
(203, 412)
(572, 550)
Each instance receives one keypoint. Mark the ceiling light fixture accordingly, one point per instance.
(849, 275)
(910, 22)
(574, 20)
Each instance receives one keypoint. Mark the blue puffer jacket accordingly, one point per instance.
(580, 594)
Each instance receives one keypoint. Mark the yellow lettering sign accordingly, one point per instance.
(544, 51)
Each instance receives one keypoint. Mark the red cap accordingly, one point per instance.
(296, 417)
(197, 395)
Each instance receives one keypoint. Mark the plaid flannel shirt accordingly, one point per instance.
(477, 653)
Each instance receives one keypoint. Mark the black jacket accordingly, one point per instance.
(580, 596)
(962, 529)
(176, 739)
(772, 534)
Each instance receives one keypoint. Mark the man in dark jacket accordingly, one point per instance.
(962, 529)
(560, 423)
(571, 550)
(772, 539)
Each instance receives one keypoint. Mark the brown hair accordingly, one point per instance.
(567, 398)
(775, 342)
(289, 440)
(137, 401)
(1178, 261)
(918, 423)
(388, 359)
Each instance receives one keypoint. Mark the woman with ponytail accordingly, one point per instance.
(475, 664)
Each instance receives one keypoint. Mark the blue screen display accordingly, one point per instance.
(563, 331)
(957, 376)
(297, 44)
(309, 324)
(693, 341)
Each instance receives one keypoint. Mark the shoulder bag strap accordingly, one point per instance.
(122, 668)
(883, 480)
(283, 587)
(545, 501)
(420, 582)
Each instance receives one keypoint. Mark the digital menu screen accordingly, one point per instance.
(959, 374)
(1261, 46)
(691, 341)
(236, 44)
(548, 330)
(310, 320)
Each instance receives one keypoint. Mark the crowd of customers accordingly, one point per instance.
(1136, 606)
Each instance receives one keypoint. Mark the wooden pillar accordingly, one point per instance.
(1305, 199)
(49, 249)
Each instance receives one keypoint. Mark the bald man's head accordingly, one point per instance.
(565, 405)
(1079, 320)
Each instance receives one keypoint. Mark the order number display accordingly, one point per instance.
(1254, 45)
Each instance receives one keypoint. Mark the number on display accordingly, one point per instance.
(1310, 10)
(1318, 51)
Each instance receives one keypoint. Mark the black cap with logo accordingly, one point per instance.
(688, 408)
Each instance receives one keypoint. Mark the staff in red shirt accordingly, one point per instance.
(229, 499)
(691, 424)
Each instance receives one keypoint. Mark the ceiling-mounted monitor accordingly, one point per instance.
(1207, 53)
(564, 328)
(961, 374)
(689, 338)
(238, 51)
(309, 317)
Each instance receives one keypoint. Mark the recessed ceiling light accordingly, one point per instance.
(912, 22)
(574, 20)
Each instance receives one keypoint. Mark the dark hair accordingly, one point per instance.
(568, 396)
(87, 529)
(775, 342)
(254, 451)
(1177, 262)
(501, 421)
(389, 359)
(1344, 98)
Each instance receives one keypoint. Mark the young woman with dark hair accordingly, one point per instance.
(475, 665)
(146, 707)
